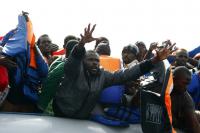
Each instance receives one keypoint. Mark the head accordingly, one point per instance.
(54, 47)
(129, 53)
(181, 57)
(69, 46)
(101, 39)
(142, 50)
(68, 38)
(181, 78)
(103, 49)
(91, 62)
(44, 44)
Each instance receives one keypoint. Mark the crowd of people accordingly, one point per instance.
(38, 77)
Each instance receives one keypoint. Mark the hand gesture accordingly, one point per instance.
(163, 53)
(87, 36)
(153, 46)
(169, 43)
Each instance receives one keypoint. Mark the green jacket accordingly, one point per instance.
(55, 75)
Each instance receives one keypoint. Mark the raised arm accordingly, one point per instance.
(74, 61)
(140, 69)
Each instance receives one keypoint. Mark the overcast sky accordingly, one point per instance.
(121, 21)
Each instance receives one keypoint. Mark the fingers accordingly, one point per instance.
(81, 35)
(93, 28)
(85, 31)
(172, 51)
(88, 30)
(171, 47)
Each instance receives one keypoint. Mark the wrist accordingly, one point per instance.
(155, 60)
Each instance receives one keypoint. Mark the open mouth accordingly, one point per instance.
(94, 70)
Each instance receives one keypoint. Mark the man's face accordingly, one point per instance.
(181, 59)
(182, 81)
(45, 44)
(128, 56)
(91, 63)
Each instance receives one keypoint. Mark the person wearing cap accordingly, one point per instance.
(55, 75)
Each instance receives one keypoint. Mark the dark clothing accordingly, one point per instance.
(79, 91)
(181, 104)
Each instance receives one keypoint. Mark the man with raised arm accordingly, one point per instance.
(84, 80)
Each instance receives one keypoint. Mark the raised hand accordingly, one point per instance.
(163, 53)
(153, 46)
(87, 36)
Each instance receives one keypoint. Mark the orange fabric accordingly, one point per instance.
(168, 99)
(31, 41)
(109, 63)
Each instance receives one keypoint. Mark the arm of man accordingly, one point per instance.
(190, 117)
(128, 74)
(192, 121)
(73, 63)
(133, 73)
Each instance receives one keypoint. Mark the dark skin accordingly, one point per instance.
(91, 63)
(152, 47)
(181, 60)
(142, 52)
(46, 49)
(180, 84)
(45, 46)
(161, 54)
(128, 56)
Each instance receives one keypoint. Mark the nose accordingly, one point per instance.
(95, 63)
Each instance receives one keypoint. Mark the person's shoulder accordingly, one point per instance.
(187, 96)
(187, 100)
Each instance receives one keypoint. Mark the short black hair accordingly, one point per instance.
(132, 48)
(89, 52)
(181, 70)
(101, 39)
(44, 35)
(103, 49)
(69, 46)
(68, 38)
(140, 43)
